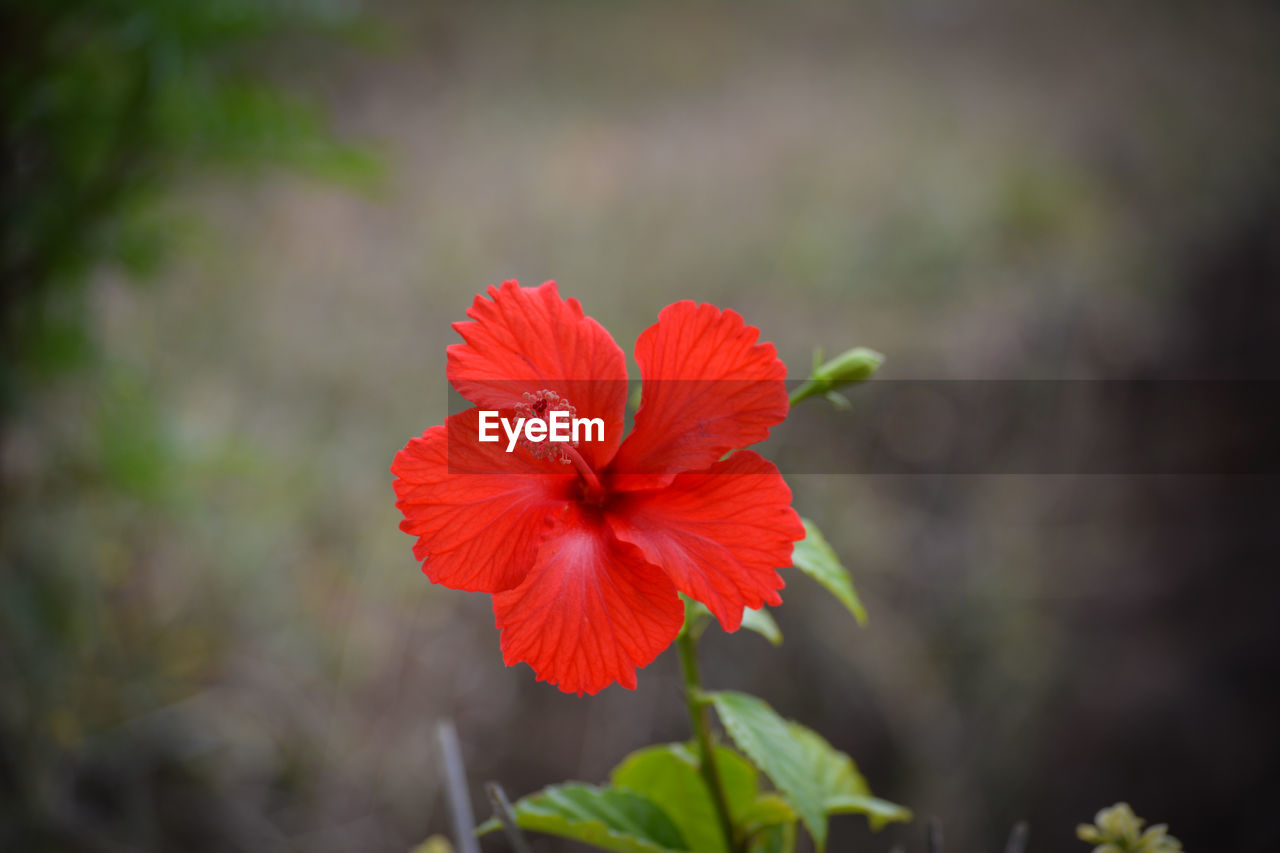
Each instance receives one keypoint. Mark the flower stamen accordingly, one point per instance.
(539, 406)
(594, 488)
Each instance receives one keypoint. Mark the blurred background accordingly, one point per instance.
(236, 233)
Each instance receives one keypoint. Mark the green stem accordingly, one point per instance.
(805, 391)
(702, 732)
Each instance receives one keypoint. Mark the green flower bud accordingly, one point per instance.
(851, 366)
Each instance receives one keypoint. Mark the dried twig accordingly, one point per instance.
(455, 776)
(506, 816)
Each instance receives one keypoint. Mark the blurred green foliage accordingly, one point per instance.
(107, 102)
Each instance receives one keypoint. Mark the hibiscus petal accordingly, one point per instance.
(527, 339)
(720, 534)
(480, 514)
(590, 611)
(708, 388)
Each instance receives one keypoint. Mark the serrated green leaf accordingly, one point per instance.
(818, 560)
(816, 778)
(697, 617)
(669, 776)
(608, 818)
(835, 772)
(768, 741)
(844, 790)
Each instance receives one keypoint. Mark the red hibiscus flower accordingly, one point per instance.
(585, 545)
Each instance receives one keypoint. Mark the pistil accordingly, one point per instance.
(594, 488)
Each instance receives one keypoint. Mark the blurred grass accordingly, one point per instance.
(199, 537)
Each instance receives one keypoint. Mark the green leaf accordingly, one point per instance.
(697, 617)
(834, 771)
(844, 790)
(878, 811)
(765, 811)
(769, 826)
(767, 739)
(621, 821)
(818, 560)
(668, 775)
(761, 621)
(779, 838)
(816, 778)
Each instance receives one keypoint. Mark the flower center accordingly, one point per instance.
(539, 407)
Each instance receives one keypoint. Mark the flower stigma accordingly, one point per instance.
(538, 407)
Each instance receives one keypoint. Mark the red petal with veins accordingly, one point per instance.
(477, 530)
(708, 388)
(527, 339)
(720, 534)
(590, 611)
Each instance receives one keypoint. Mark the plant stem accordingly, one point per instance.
(702, 732)
(506, 816)
(808, 389)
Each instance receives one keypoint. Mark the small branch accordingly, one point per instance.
(455, 776)
(1018, 838)
(702, 732)
(506, 816)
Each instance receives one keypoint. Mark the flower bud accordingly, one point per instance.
(851, 366)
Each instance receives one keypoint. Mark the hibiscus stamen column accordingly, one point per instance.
(702, 733)
(594, 488)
